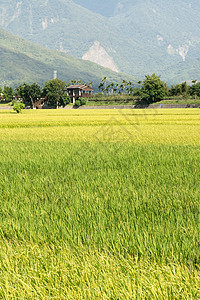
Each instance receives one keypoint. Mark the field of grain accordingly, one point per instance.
(100, 204)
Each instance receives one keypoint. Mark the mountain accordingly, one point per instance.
(107, 8)
(131, 36)
(23, 61)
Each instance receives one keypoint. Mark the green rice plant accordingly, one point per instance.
(32, 271)
(86, 215)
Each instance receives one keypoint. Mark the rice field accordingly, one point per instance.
(100, 204)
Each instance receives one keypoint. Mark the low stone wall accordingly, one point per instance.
(6, 107)
(151, 106)
(175, 105)
(108, 107)
(101, 107)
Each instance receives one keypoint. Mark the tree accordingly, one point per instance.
(194, 81)
(54, 91)
(195, 90)
(101, 87)
(104, 81)
(73, 81)
(130, 87)
(153, 89)
(32, 93)
(8, 93)
(184, 88)
(64, 100)
(29, 93)
(18, 106)
(19, 91)
(112, 87)
(179, 89)
(139, 83)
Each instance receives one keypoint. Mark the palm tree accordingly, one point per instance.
(112, 86)
(121, 88)
(130, 88)
(107, 89)
(101, 86)
(139, 82)
(124, 82)
(194, 81)
(104, 81)
(73, 81)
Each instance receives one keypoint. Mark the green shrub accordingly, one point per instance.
(83, 101)
(18, 107)
(77, 103)
(13, 102)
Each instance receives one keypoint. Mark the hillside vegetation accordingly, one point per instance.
(22, 61)
(140, 36)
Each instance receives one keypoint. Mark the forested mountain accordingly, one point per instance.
(132, 36)
(23, 61)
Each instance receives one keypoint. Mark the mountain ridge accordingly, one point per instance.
(141, 37)
(23, 61)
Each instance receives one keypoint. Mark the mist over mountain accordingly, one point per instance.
(131, 36)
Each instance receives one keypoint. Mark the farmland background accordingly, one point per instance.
(100, 204)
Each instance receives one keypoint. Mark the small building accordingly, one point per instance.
(39, 103)
(81, 90)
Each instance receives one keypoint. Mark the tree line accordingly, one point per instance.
(151, 89)
(54, 93)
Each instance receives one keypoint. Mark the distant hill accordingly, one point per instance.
(23, 61)
(131, 36)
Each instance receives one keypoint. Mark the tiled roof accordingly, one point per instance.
(81, 87)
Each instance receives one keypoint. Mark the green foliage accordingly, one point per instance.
(64, 100)
(83, 101)
(179, 89)
(138, 92)
(54, 92)
(77, 103)
(8, 94)
(18, 106)
(153, 89)
(125, 87)
(195, 90)
(29, 93)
